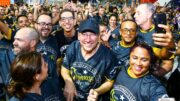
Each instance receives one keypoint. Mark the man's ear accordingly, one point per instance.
(79, 35)
(75, 20)
(33, 43)
(150, 15)
(120, 31)
(37, 77)
(35, 25)
(60, 22)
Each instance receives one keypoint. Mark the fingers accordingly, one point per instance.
(69, 91)
(163, 39)
(93, 95)
(166, 27)
(69, 97)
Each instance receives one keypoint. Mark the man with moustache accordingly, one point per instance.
(25, 40)
(47, 46)
(22, 43)
(146, 32)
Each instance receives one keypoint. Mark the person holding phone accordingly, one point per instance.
(146, 32)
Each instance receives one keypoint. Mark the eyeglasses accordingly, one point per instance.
(63, 19)
(126, 30)
(86, 35)
(43, 24)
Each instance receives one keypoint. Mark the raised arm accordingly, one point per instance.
(7, 32)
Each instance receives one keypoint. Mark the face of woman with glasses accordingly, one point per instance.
(128, 31)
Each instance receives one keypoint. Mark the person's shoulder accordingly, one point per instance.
(32, 97)
(103, 47)
(56, 32)
(106, 50)
(75, 44)
(151, 80)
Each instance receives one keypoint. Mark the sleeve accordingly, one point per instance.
(157, 90)
(112, 68)
(69, 56)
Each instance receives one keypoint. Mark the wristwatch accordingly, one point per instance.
(173, 50)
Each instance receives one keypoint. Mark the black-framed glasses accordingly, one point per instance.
(88, 34)
(63, 19)
(43, 24)
(126, 30)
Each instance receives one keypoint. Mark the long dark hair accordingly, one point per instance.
(23, 70)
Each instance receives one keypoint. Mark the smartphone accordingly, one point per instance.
(159, 18)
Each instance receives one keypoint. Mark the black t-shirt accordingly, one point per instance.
(50, 92)
(63, 41)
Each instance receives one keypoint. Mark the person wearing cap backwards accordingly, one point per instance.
(87, 72)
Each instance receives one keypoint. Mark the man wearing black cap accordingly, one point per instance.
(87, 72)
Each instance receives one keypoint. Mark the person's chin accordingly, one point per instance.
(16, 52)
(88, 49)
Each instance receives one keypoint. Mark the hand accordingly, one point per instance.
(164, 39)
(69, 91)
(93, 95)
(1, 36)
(73, 6)
(67, 5)
(105, 36)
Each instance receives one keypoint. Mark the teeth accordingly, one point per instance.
(45, 30)
(67, 26)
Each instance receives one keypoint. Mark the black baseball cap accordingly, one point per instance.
(89, 25)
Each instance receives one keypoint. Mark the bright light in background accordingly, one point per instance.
(162, 2)
(12, 1)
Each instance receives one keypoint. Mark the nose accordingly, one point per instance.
(23, 24)
(135, 15)
(46, 26)
(15, 42)
(138, 62)
(88, 38)
(128, 32)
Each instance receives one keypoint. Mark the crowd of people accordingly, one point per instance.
(89, 52)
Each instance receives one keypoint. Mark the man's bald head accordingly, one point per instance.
(25, 40)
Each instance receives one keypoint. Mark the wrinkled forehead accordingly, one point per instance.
(141, 8)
